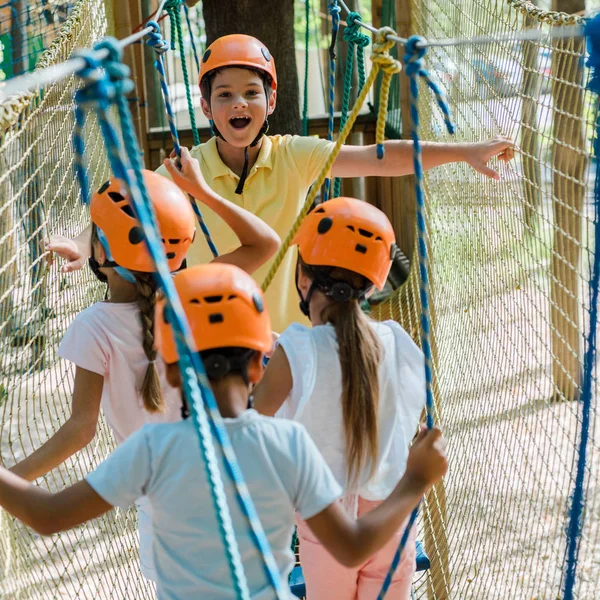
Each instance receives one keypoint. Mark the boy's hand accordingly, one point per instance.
(478, 154)
(427, 462)
(67, 249)
(185, 172)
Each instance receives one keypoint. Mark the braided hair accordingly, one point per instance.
(146, 300)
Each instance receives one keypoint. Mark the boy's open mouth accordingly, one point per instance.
(240, 122)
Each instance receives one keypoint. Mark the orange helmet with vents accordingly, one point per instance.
(350, 234)
(224, 307)
(238, 50)
(112, 211)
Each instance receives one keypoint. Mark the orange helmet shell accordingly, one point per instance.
(224, 307)
(350, 234)
(112, 211)
(238, 50)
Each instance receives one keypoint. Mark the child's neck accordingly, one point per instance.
(231, 394)
(121, 291)
(233, 156)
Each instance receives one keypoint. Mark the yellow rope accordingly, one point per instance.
(390, 66)
(382, 60)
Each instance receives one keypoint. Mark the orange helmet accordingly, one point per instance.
(112, 212)
(350, 234)
(238, 50)
(224, 307)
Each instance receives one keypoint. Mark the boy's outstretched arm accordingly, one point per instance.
(49, 513)
(362, 161)
(352, 542)
(258, 241)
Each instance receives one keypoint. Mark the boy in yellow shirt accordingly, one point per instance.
(270, 175)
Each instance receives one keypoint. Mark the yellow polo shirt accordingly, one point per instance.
(275, 191)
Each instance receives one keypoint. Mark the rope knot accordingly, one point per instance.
(381, 52)
(334, 9)
(414, 53)
(353, 33)
(115, 52)
(155, 39)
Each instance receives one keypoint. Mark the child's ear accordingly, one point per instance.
(256, 368)
(272, 102)
(206, 109)
(173, 375)
(99, 253)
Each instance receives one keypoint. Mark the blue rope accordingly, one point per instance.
(160, 46)
(100, 93)
(575, 516)
(334, 11)
(414, 69)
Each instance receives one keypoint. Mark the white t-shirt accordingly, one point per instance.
(315, 400)
(106, 338)
(282, 469)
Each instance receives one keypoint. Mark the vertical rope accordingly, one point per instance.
(306, 61)
(413, 61)
(186, 10)
(160, 45)
(576, 509)
(357, 42)
(172, 7)
(334, 11)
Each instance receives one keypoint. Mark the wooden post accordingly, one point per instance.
(530, 139)
(137, 17)
(568, 188)
(125, 14)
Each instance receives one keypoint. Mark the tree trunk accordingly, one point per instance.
(272, 22)
(530, 140)
(568, 188)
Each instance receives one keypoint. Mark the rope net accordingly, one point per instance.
(509, 267)
(39, 196)
(509, 270)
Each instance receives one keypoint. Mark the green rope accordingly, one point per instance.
(357, 42)
(173, 8)
(306, 50)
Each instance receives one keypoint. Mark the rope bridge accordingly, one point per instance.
(509, 266)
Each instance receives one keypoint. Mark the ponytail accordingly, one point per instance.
(151, 389)
(360, 355)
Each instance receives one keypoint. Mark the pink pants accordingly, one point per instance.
(327, 579)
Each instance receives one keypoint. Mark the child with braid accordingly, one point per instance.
(113, 369)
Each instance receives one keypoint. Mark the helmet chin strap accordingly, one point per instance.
(109, 262)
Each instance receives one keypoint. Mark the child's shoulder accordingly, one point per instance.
(296, 143)
(99, 312)
(279, 430)
(393, 334)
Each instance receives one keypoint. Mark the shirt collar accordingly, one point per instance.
(218, 168)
